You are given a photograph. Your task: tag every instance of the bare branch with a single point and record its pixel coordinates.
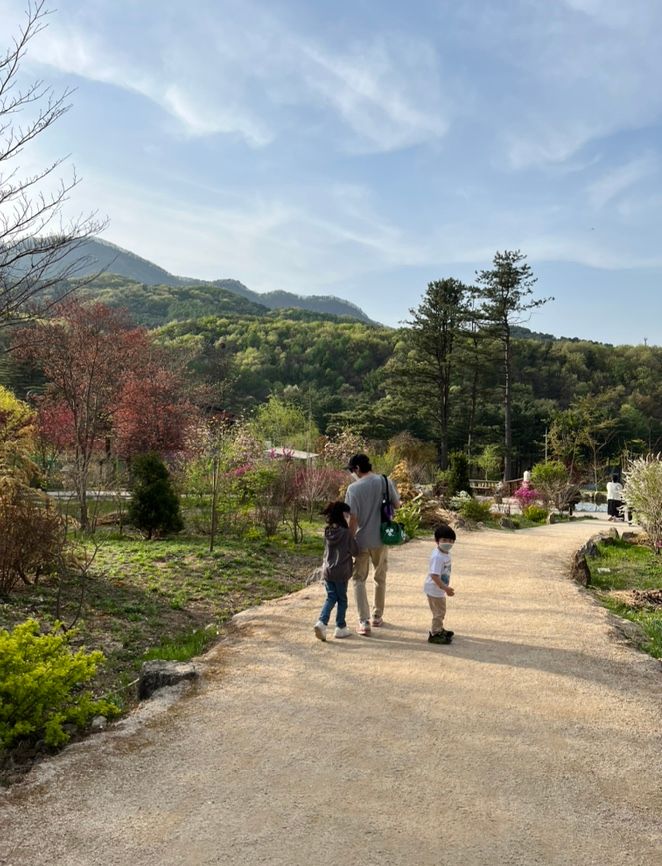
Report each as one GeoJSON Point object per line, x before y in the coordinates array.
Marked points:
{"type": "Point", "coordinates": [40, 251]}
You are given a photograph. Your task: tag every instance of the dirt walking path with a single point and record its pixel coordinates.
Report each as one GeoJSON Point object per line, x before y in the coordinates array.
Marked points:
{"type": "Point", "coordinates": [533, 739]}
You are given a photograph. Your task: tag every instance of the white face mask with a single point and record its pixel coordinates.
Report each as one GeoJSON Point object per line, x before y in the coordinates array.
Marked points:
{"type": "Point", "coordinates": [445, 546]}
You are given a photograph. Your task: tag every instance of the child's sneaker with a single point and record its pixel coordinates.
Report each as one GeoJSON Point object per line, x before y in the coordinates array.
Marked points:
{"type": "Point", "coordinates": [439, 638]}
{"type": "Point", "coordinates": [377, 621]}
{"type": "Point", "coordinates": [364, 627]}
{"type": "Point", "coordinates": [320, 630]}
{"type": "Point", "coordinates": [342, 632]}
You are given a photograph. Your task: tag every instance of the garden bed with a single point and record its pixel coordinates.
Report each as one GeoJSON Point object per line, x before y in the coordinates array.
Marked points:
{"type": "Point", "coordinates": [627, 579]}
{"type": "Point", "coordinates": [169, 598]}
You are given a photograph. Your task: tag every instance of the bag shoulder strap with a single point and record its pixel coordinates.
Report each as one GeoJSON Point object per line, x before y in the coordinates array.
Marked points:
{"type": "Point", "coordinates": [387, 495]}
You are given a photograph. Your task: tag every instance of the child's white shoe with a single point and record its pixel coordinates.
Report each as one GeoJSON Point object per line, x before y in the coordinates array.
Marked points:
{"type": "Point", "coordinates": [320, 630]}
{"type": "Point", "coordinates": [342, 632]}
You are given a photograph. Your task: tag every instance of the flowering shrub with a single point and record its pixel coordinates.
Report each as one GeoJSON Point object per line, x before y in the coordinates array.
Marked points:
{"type": "Point", "coordinates": [526, 496]}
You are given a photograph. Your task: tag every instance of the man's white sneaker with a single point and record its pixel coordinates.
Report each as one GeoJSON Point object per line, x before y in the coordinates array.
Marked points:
{"type": "Point", "coordinates": [342, 632]}
{"type": "Point", "coordinates": [320, 630]}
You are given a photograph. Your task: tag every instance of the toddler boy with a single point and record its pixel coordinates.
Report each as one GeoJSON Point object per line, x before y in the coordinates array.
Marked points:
{"type": "Point", "coordinates": [437, 583]}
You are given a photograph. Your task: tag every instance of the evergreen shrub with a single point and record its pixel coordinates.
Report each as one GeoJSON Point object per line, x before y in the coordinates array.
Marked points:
{"type": "Point", "coordinates": [457, 476]}
{"type": "Point", "coordinates": [40, 680]}
{"type": "Point", "coordinates": [472, 509]}
{"type": "Point", "coordinates": [154, 505]}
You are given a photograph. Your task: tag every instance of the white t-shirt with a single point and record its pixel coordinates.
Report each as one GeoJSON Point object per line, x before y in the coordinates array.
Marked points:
{"type": "Point", "coordinates": [614, 490]}
{"type": "Point", "coordinates": [440, 564]}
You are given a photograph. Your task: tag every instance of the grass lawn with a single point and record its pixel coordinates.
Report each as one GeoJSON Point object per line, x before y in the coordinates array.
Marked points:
{"type": "Point", "coordinates": [166, 598]}
{"type": "Point", "coordinates": [627, 578]}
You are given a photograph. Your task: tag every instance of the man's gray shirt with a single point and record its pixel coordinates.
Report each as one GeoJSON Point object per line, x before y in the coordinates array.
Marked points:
{"type": "Point", "coordinates": [364, 498]}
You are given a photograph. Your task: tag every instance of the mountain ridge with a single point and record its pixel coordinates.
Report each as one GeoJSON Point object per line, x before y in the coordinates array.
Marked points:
{"type": "Point", "coordinates": [98, 257]}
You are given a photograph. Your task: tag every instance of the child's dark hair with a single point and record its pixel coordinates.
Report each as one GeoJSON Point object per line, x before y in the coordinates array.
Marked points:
{"type": "Point", "coordinates": [336, 512]}
{"type": "Point", "coordinates": [444, 532]}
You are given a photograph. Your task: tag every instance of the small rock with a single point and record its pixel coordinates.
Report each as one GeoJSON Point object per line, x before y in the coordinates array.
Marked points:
{"type": "Point", "coordinates": [507, 523]}
{"type": "Point", "coordinates": [604, 570]}
{"type": "Point", "coordinates": [99, 723]}
{"type": "Point", "coordinates": [632, 537]}
{"type": "Point", "coordinates": [552, 518]}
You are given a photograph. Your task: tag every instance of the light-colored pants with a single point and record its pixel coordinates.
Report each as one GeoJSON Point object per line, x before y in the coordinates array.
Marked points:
{"type": "Point", "coordinates": [438, 608]}
{"type": "Point", "coordinates": [379, 558]}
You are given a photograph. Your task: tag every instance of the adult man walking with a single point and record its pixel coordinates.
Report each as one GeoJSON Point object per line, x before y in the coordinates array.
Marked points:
{"type": "Point", "coordinates": [364, 497]}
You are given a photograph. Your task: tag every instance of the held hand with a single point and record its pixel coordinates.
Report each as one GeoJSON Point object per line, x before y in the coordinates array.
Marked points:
{"type": "Point", "coordinates": [449, 590]}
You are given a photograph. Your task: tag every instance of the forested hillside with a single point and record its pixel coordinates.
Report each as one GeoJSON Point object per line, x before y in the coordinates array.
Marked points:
{"type": "Point", "coordinates": [102, 268]}
{"type": "Point", "coordinates": [351, 374]}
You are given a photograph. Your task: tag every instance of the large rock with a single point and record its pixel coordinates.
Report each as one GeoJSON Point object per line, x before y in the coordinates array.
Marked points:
{"type": "Point", "coordinates": [589, 549]}
{"type": "Point", "coordinates": [632, 537]}
{"type": "Point", "coordinates": [159, 674]}
{"type": "Point", "coordinates": [580, 570]}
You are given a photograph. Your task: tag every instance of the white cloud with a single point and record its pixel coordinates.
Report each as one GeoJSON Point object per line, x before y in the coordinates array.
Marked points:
{"type": "Point", "coordinates": [233, 67]}
{"type": "Point", "coordinates": [388, 100]}
{"type": "Point", "coordinates": [619, 180]}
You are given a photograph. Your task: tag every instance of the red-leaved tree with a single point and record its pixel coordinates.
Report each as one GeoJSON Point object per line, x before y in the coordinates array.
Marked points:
{"type": "Point", "coordinates": [154, 413]}
{"type": "Point", "coordinates": [85, 351]}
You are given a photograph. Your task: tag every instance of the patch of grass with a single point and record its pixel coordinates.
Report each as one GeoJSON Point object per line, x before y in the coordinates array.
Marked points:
{"type": "Point", "coordinates": [186, 647]}
{"type": "Point", "coordinates": [145, 598]}
{"type": "Point", "coordinates": [649, 620]}
{"type": "Point", "coordinates": [622, 567]}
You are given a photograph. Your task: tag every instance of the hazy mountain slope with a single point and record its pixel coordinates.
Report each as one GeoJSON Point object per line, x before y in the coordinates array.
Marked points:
{"type": "Point", "coordinates": [100, 255]}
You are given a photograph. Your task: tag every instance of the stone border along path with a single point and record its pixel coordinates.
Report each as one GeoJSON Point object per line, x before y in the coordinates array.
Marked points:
{"type": "Point", "coordinates": [533, 739]}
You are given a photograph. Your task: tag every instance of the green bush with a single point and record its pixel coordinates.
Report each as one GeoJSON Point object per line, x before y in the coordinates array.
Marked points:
{"type": "Point", "coordinates": [409, 515]}
{"type": "Point", "coordinates": [535, 513]}
{"type": "Point", "coordinates": [472, 509]}
{"type": "Point", "coordinates": [40, 680]}
{"type": "Point", "coordinates": [457, 475]}
{"type": "Point", "coordinates": [154, 505]}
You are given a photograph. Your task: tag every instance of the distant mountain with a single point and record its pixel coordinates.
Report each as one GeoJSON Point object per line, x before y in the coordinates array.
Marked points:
{"type": "Point", "coordinates": [97, 256]}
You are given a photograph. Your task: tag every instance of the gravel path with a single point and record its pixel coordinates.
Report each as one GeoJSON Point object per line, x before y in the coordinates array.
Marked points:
{"type": "Point", "coordinates": [533, 739]}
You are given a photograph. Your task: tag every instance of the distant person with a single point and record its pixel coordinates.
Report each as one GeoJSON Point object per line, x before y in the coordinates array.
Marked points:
{"type": "Point", "coordinates": [437, 583]}
{"type": "Point", "coordinates": [337, 565]}
{"type": "Point", "coordinates": [614, 499]}
{"type": "Point", "coordinates": [364, 497]}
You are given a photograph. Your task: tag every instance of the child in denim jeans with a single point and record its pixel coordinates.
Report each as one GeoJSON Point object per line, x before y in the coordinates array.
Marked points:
{"type": "Point", "coordinates": [339, 548]}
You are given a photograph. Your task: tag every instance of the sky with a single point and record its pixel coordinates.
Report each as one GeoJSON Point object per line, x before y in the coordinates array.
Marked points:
{"type": "Point", "coordinates": [363, 148]}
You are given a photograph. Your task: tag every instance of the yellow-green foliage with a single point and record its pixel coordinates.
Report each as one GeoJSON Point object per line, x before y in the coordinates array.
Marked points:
{"type": "Point", "coordinates": [40, 680]}
{"type": "Point", "coordinates": [16, 434]}
{"type": "Point", "coordinates": [472, 509]}
{"type": "Point", "coordinates": [535, 513]}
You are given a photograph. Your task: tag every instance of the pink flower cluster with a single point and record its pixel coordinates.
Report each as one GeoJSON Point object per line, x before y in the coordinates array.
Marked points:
{"type": "Point", "coordinates": [238, 471]}
{"type": "Point", "coordinates": [526, 495]}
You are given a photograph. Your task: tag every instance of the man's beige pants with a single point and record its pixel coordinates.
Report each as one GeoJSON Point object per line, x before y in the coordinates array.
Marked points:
{"type": "Point", "coordinates": [379, 558]}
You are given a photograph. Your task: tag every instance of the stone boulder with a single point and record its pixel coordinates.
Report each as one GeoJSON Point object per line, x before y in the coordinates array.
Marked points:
{"type": "Point", "coordinates": [159, 674]}
{"type": "Point", "coordinates": [589, 549]}
{"type": "Point", "coordinates": [632, 537]}
{"type": "Point", "coordinates": [580, 570]}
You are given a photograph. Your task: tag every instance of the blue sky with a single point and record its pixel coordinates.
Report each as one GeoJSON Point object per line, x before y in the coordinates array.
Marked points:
{"type": "Point", "coordinates": [365, 148]}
